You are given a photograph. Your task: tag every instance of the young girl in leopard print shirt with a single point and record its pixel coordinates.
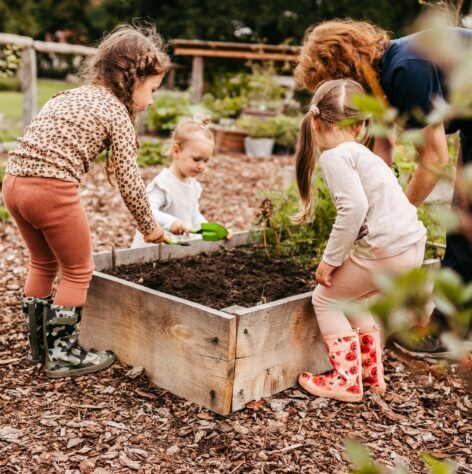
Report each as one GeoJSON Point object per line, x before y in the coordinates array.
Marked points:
{"type": "Point", "coordinates": [40, 188]}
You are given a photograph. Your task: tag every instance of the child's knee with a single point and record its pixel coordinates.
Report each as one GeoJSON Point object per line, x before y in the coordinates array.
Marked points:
{"type": "Point", "coordinates": [81, 275]}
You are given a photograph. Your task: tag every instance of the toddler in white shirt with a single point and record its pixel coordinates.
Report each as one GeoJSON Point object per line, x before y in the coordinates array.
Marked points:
{"type": "Point", "coordinates": [174, 194]}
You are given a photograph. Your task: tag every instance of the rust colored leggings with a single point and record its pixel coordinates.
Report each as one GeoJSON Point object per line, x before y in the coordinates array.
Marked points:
{"type": "Point", "coordinates": [52, 222]}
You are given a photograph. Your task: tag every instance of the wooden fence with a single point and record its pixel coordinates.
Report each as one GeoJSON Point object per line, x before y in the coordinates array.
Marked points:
{"type": "Point", "coordinates": [198, 50]}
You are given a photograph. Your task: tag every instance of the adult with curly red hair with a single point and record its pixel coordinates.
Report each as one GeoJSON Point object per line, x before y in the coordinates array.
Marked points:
{"type": "Point", "coordinates": [411, 82]}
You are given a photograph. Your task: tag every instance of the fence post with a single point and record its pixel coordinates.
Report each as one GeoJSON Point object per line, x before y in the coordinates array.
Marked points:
{"type": "Point", "coordinates": [28, 84]}
{"type": "Point", "coordinates": [196, 82]}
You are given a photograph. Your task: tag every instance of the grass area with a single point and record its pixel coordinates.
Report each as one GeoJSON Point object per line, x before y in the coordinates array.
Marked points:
{"type": "Point", "coordinates": [11, 103]}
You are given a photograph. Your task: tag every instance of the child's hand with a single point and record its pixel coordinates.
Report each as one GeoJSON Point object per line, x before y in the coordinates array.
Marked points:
{"type": "Point", "coordinates": [323, 273]}
{"type": "Point", "coordinates": [178, 228]}
{"type": "Point", "coordinates": [156, 236]}
{"type": "Point", "coordinates": [230, 235]}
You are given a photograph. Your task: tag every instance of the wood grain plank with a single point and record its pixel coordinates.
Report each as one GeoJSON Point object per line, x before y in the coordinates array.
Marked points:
{"type": "Point", "coordinates": [185, 347]}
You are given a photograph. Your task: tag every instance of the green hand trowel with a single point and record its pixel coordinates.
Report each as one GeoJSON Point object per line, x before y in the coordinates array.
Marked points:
{"type": "Point", "coordinates": [176, 242]}
{"type": "Point", "coordinates": [211, 231]}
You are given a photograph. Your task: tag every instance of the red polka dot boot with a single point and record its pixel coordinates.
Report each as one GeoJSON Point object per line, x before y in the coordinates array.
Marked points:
{"type": "Point", "coordinates": [344, 382]}
{"type": "Point", "coordinates": [372, 366]}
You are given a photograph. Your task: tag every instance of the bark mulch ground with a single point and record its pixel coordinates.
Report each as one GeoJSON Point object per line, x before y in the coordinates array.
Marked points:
{"type": "Point", "coordinates": [117, 422]}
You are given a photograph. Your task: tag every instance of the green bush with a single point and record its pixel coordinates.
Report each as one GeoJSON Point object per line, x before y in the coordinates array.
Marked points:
{"type": "Point", "coordinates": [167, 110]}
{"type": "Point", "coordinates": [152, 153]}
{"type": "Point", "coordinates": [9, 84]}
{"type": "Point", "coordinates": [227, 107]}
{"type": "Point", "coordinates": [287, 129]}
{"type": "Point", "coordinates": [257, 127]}
{"type": "Point", "coordinates": [229, 93]}
{"type": "Point", "coordinates": [10, 60]}
{"type": "Point", "coordinates": [305, 243]}
{"type": "Point", "coordinates": [4, 214]}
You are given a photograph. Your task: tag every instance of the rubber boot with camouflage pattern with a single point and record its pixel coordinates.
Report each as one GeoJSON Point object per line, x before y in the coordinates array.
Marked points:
{"type": "Point", "coordinates": [33, 311]}
{"type": "Point", "coordinates": [64, 356]}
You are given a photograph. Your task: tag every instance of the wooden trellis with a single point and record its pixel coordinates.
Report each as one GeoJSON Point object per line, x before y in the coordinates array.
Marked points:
{"type": "Point", "coordinates": [195, 48]}
{"type": "Point", "coordinates": [218, 49]}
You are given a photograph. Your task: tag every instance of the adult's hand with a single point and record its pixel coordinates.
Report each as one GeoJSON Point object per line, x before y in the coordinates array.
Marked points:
{"type": "Point", "coordinates": [155, 236]}
{"type": "Point", "coordinates": [434, 157]}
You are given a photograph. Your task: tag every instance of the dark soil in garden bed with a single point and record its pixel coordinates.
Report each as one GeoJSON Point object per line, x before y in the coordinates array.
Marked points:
{"type": "Point", "coordinates": [243, 276]}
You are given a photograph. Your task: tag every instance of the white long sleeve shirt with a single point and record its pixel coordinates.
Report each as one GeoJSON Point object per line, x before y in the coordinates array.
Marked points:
{"type": "Point", "coordinates": [172, 199]}
{"type": "Point", "coordinates": [374, 216]}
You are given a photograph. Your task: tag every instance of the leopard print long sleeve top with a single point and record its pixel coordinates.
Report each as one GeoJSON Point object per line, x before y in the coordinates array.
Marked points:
{"type": "Point", "coordinates": [70, 131]}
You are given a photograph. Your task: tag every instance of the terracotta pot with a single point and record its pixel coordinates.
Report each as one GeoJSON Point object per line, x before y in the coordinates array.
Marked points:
{"type": "Point", "coordinates": [228, 140]}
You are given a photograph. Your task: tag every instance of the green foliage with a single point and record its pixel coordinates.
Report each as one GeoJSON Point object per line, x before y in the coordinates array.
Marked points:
{"type": "Point", "coordinates": [286, 130]}
{"type": "Point", "coordinates": [257, 127]}
{"type": "Point", "coordinates": [281, 127]}
{"type": "Point", "coordinates": [4, 214]}
{"type": "Point", "coordinates": [360, 459]}
{"type": "Point", "coordinates": [9, 84]}
{"type": "Point", "coordinates": [151, 153]}
{"type": "Point", "coordinates": [230, 92]}
{"type": "Point", "coordinates": [305, 243]}
{"type": "Point", "coordinates": [167, 110]}
{"type": "Point", "coordinates": [10, 60]}
{"type": "Point", "coordinates": [224, 108]}
{"type": "Point", "coordinates": [362, 462]}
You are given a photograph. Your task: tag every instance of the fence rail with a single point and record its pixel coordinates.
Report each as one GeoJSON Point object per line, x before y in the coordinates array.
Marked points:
{"type": "Point", "coordinates": [196, 49]}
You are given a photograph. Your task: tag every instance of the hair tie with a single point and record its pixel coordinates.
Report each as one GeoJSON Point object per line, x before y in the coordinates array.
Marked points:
{"type": "Point", "coordinates": [314, 110]}
{"type": "Point", "coordinates": [203, 120]}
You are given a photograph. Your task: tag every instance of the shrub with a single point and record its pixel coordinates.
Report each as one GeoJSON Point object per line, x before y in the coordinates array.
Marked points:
{"type": "Point", "coordinates": [287, 129]}
{"type": "Point", "coordinates": [167, 110]}
{"type": "Point", "coordinates": [9, 84]}
{"type": "Point", "coordinates": [257, 127]}
{"type": "Point", "coordinates": [152, 153]}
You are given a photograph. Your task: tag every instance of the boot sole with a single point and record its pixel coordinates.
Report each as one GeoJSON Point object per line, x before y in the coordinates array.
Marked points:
{"type": "Point", "coordinates": [324, 394]}
{"type": "Point", "coordinates": [61, 373]}
{"type": "Point", "coordinates": [431, 355]}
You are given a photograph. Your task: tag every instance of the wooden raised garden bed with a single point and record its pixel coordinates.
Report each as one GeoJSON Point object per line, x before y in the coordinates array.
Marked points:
{"type": "Point", "coordinates": [219, 358]}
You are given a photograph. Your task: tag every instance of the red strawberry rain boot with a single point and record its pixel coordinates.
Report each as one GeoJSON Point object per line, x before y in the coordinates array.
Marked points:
{"type": "Point", "coordinates": [372, 367]}
{"type": "Point", "coordinates": [344, 382]}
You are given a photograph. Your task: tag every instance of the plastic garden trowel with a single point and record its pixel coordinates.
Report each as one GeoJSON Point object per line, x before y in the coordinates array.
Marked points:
{"type": "Point", "coordinates": [176, 242]}
{"type": "Point", "coordinates": [211, 231]}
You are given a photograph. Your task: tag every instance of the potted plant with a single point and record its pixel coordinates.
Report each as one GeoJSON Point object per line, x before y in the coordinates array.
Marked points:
{"type": "Point", "coordinates": [261, 132]}
{"type": "Point", "coordinates": [287, 129]}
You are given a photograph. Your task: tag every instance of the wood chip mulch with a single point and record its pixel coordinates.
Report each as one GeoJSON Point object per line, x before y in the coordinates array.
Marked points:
{"type": "Point", "coordinates": [116, 421]}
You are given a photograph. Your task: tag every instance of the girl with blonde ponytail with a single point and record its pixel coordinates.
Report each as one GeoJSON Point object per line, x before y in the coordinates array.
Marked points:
{"type": "Point", "coordinates": [376, 230]}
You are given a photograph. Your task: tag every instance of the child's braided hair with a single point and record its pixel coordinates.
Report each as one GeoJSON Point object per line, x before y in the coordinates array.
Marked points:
{"type": "Point", "coordinates": [126, 55]}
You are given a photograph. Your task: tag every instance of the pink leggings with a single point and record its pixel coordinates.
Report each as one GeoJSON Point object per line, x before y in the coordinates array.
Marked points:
{"type": "Point", "coordinates": [353, 281]}
{"type": "Point", "coordinates": [52, 222]}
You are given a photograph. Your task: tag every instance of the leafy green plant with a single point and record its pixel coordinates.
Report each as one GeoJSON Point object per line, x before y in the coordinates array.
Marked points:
{"type": "Point", "coordinates": [9, 84]}
{"type": "Point", "coordinates": [303, 243]}
{"type": "Point", "coordinates": [226, 107]}
{"type": "Point", "coordinates": [362, 462]}
{"type": "Point", "coordinates": [10, 60]}
{"type": "Point", "coordinates": [4, 214]}
{"type": "Point", "coordinates": [167, 110]}
{"type": "Point", "coordinates": [286, 130]}
{"type": "Point", "coordinates": [257, 127]}
{"type": "Point", "coordinates": [151, 153]}
{"type": "Point", "coordinates": [230, 93]}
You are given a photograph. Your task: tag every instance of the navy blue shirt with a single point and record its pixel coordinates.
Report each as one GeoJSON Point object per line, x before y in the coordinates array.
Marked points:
{"type": "Point", "coordinates": [411, 82]}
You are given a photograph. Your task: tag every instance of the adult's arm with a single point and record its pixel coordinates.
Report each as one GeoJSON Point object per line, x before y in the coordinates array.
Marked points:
{"type": "Point", "coordinates": [433, 158]}
{"type": "Point", "coordinates": [383, 147]}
